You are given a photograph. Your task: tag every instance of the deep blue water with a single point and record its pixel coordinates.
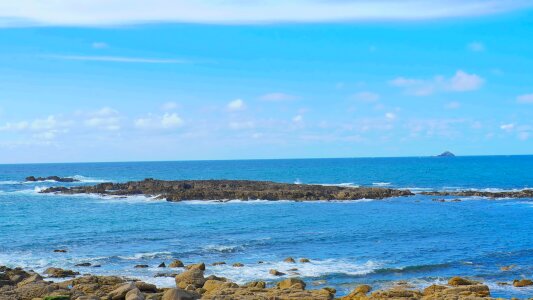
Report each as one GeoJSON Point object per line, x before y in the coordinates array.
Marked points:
{"type": "Point", "coordinates": [372, 242]}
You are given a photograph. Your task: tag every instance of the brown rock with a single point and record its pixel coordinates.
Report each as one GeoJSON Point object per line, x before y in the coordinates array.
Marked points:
{"type": "Point", "coordinates": [238, 265]}
{"type": "Point", "coordinates": [304, 260]}
{"type": "Point", "coordinates": [176, 264]}
{"type": "Point", "coordinates": [276, 272]}
{"type": "Point", "coordinates": [218, 263]}
{"type": "Point", "coordinates": [120, 292]}
{"type": "Point", "coordinates": [291, 283]}
{"type": "Point", "coordinates": [141, 266]}
{"type": "Point", "coordinates": [522, 283]}
{"type": "Point", "coordinates": [289, 260]}
{"type": "Point", "coordinates": [256, 284]}
{"type": "Point", "coordinates": [457, 281]}
{"type": "Point", "coordinates": [146, 287]}
{"type": "Point", "coordinates": [200, 266]}
{"type": "Point", "coordinates": [60, 273]}
{"type": "Point", "coordinates": [178, 294]}
{"type": "Point", "coordinates": [134, 294]}
{"type": "Point", "coordinates": [193, 276]}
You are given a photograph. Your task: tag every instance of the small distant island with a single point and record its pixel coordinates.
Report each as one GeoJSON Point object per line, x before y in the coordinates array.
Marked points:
{"type": "Point", "coordinates": [446, 154]}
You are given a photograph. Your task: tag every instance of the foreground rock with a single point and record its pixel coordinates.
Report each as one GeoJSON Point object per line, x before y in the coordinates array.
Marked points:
{"type": "Point", "coordinates": [505, 194]}
{"type": "Point", "coordinates": [51, 178]}
{"type": "Point", "coordinates": [230, 189]}
{"type": "Point", "coordinates": [17, 284]}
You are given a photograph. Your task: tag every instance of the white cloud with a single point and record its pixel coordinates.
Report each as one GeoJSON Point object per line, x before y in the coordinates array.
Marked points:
{"type": "Point", "coordinates": [166, 121]}
{"type": "Point", "coordinates": [507, 127]}
{"type": "Point", "coordinates": [367, 96]}
{"type": "Point", "coordinates": [118, 59]}
{"type": "Point", "coordinates": [476, 47]}
{"type": "Point", "coordinates": [112, 12]}
{"type": "Point", "coordinates": [236, 105]}
{"type": "Point", "coordinates": [105, 119]}
{"type": "Point", "coordinates": [390, 116]}
{"type": "Point", "coordinates": [526, 98]}
{"type": "Point", "coordinates": [462, 82]}
{"type": "Point", "coordinates": [298, 119]}
{"type": "Point", "coordinates": [524, 136]}
{"type": "Point", "coordinates": [278, 97]}
{"type": "Point", "coordinates": [459, 82]}
{"type": "Point", "coordinates": [99, 45]}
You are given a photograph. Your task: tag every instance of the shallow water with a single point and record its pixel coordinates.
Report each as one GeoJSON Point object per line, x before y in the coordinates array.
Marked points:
{"type": "Point", "coordinates": [373, 242]}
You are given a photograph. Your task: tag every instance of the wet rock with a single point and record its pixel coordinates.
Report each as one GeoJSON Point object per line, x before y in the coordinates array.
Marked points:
{"type": "Point", "coordinates": [507, 268]}
{"type": "Point", "coordinates": [51, 178]}
{"type": "Point", "coordinates": [162, 265]}
{"type": "Point", "coordinates": [60, 273]}
{"type": "Point", "coordinates": [60, 251]}
{"type": "Point", "coordinates": [522, 283]}
{"type": "Point", "coordinates": [470, 193]}
{"type": "Point", "coordinates": [181, 190]}
{"type": "Point", "coordinates": [218, 263]}
{"type": "Point", "coordinates": [238, 265]}
{"type": "Point", "coordinates": [83, 265]}
{"type": "Point", "coordinates": [457, 281]}
{"type": "Point", "coordinates": [200, 266]}
{"type": "Point", "coordinates": [276, 272]}
{"type": "Point", "coordinates": [141, 266]}
{"type": "Point", "coordinates": [31, 279]}
{"type": "Point", "coordinates": [304, 260]}
{"type": "Point", "coordinates": [289, 260]}
{"type": "Point", "coordinates": [291, 283]}
{"type": "Point", "coordinates": [176, 264]}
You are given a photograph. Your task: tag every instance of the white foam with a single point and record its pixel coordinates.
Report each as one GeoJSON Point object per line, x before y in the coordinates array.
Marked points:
{"type": "Point", "coordinates": [5, 182]}
{"type": "Point", "coordinates": [147, 255]}
{"type": "Point", "coordinates": [315, 268]}
{"type": "Point", "coordinates": [343, 184]}
{"type": "Point", "coordinates": [381, 183]}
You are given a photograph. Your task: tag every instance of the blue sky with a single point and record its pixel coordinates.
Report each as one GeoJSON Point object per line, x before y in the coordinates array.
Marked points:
{"type": "Point", "coordinates": [347, 82]}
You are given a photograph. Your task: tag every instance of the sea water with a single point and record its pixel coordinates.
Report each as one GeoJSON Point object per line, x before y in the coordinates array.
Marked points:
{"type": "Point", "coordinates": [376, 242]}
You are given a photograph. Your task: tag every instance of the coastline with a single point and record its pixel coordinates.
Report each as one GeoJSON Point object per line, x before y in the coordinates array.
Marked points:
{"type": "Point", "coordinates": [191, 283]}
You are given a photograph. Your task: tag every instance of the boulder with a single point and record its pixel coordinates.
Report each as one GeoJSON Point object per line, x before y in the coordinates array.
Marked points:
{"type": "Point", "coordinates": [256, 284]}
{"type": "Point", "coordinates": [141, 266]}
{"type": "Point", "coordinates": [457, 281]}
{"type": "Point", "coordinates": [522, 283]}
{"type": "Point", "coordinates": [238, 265]}
{"type": "Point", "coordinates": [31, 279]}
{"type": "Point", "coordinates": [146, 287]}
{"type": "Point", "coordinates": [120, 292]}
{"type": "Point", "coordinates": [162, 265]}
{"type": "Point", "coordinates": [134, 294]}
{"type": "Point", "coordinates": [304, 260]}
{"type": "Point", "coordinates": [291, 283]}
{"type": "Point", "coordinates": [289, 260]}
{"type": "Point", "coordinates": [193, 276]}
{"type": "Point", "coordinates": [276, 272]}
{"type": "Point", "coordinates": [200, 266]}
{"type": "Point", "coordinates": [84, 265]}
{"type": "Point", "coordinates": [178, 294]}
{"type": "Point", "coordinates": [60, 273]}
{"type": "Point", "coordinates": [176, 264]}
{"type": "Point", "coordinates": [218, 263]}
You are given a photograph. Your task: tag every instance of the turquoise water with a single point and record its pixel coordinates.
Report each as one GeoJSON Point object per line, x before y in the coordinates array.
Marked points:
{"type": "Point", "coordinates": [373, 242]}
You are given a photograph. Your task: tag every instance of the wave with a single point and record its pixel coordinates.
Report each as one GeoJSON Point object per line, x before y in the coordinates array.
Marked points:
{"type": "Point", "coordinates": [316, 268]}
{"type": "Point", "coordinates": [344, 184]}
{"type": "Point", "coordinates": [147, 255]}
{"type": "Point", "coordinates": [381, 183]}
{"type": "Point", "coordinates": [222, 248]}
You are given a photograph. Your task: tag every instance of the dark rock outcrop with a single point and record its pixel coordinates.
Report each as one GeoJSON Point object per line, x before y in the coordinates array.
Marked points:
{"type": "Point", "coordinates": [51, 178]}
{"type": "Point", "coordinates": [231, 189]}
{"type": "Point", "coordinates": [446, 154]}
{"type": "Point", "coordinates": [503, 194]}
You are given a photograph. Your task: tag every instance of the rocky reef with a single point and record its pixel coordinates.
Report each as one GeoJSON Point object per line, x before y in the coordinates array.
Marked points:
{"type": "Point", "coordinates": [51, 178]}
{"type": "Point", "coordinates": [181, 190]}
{"type": "Point", "coordinates": [191, 284]}
{"type": "Point", "coordinates": [503, 194]}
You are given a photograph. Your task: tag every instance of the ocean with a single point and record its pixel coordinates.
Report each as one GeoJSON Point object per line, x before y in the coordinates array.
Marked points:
{"type": "Point", "coordinates": [376, 242]}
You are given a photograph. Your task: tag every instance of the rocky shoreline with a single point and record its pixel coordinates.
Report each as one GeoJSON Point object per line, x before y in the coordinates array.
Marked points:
{"type": "Point", "coordinates": [181, 190]}
{"type": "Point", "coordinates": [191, 284]}
{"type": "Point", "coordinates": [51, 178]}
{"type": "Point", "coordinates": [492, 195]}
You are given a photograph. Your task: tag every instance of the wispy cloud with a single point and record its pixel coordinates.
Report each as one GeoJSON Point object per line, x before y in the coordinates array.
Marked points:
{"type": "Point", "coordinates": [476, 47]}
{"type": "Point", "coordinates": [116, 12]}
{"type": "Point", "coordinates": [526, 98]}
{"type": "Point", "coordinates": [461, 81]}
{"type": "Point", "coordinates": [118, 59]}
{"type": "Point", "coordinates": [278, 97]}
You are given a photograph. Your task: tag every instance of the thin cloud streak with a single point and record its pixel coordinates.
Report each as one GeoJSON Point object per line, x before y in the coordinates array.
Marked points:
{"type": "Point", "coordinates": [119, 59]}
